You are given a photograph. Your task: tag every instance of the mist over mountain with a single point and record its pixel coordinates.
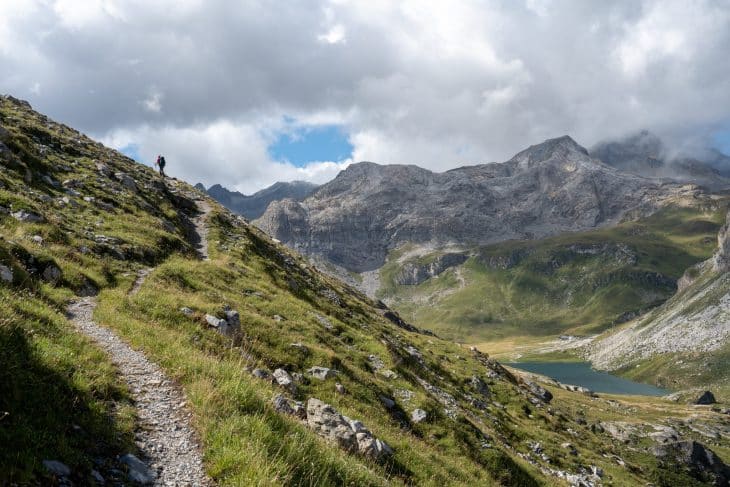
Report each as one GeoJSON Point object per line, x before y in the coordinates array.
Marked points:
{"type": "Point", "coordinates": [253, 206]}
{"type": "Point", "coordinates": [645, 154]}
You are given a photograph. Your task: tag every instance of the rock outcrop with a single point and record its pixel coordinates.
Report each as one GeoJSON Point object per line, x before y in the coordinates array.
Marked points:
{"type": "Point", "coordinates": [351, 435]}
{"type": "Point", "coordinates": [413, 273]}
{"type": "Point", "coordinates": [368, 209]}
{"type": "Point", "coordinates": [701, 462]}
{"type": "Point", "coordinates": [695, 321]}
{"type": "Point", "coordinates": [721, 259]}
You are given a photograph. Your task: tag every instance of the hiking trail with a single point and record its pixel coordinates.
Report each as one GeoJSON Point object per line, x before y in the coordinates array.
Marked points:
{"type": "Point", "coordinates": [169, 451]}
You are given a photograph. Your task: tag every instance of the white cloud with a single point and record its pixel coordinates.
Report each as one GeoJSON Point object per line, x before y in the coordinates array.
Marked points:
{"type": "Point", "coordinates": [424, 82]}
{"type": "Point", "coordinates": [227, 152]}
{"type": "Point", "coordinates": [153, 103]}
{"type": "Point", "coordinates": [335, 35]}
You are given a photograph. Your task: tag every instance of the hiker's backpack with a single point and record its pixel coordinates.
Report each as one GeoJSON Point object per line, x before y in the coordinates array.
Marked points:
{"type": "Point", "coordinates": [162, 162]}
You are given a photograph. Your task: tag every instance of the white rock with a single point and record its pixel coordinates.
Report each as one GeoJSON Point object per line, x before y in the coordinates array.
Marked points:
{"type": "Point", "coordinates": [418, 415]}
{"type": "Point", "coordinates": [321, 373]}
{"type": "Point", "coordinates": [285, 380]}
{"type": "Point", "coordinates": [27, 216]}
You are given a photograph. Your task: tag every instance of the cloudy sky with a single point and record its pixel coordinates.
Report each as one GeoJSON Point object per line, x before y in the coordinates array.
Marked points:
{"type": "Point", "coordinates": [246, 93]}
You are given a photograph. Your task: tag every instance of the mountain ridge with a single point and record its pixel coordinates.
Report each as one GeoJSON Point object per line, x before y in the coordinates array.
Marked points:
{"type": "Point", "coordinates": [253, 206]}
{"type": "Point", "coordinates": [369, 209]}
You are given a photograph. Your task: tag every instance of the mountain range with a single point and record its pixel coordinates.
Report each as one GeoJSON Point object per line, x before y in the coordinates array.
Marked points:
{"type": "Point", "coordinates": [134, 304]}
{"type": "Point", "coordinates": [253, 206]}
{"type": "Point", "coordinates": [369, 210]}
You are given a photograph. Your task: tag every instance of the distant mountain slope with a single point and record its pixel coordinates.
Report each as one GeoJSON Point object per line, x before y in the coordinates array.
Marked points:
{"type": "Point", "coordinates": [253, 206]}
{"type": "Point", "coordinates": [290, 377]}
{"type": "Point", "coordinates": [575, 283]}
{"type": "Point", "coordinates": [687, 340]}
{"type": "Point", "coordinates": [369, 210]}
{"type": "Point", "coordinates": [646, 155]}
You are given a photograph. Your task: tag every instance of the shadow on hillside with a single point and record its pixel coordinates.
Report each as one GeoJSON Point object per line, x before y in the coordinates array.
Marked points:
{"type": "Point", "coordinates": [44, 415]}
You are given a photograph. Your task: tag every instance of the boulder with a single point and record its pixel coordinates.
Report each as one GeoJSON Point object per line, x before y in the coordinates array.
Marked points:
{"type": "Point", "coordinates": [52, 274]}
{"type": "Point", "coordinates": [419, 415]}
{"type": "Point", "coordinates": [288, 406]}
{"type": "Point", "coordinates": [539, 392]}
{"type": "Point", "coordinates": [285, 380]}
{"type": "Point", "coordinates": [187, 311]}
{"type": "Point", "coordinates": [233, 318]}
{"type": "Point", "coordinates": [322, 373]}
{"type": "Point", "coordinates": [327, 422]}
{"type": "Point", "coordinates": [104, 170]}
{"type": "Point", "coordinates": [702, 462]}
{"type": "Point", "coordinates": [387, 402]}
{"type": "Point", "coordinates": [137, 471]}
{"type": "Point", "coordinates": [261, 374]}
{"type": "Point", "coordinates": [57, 468]}
{"type": "Point", "coordinates": [6, 274]}
{"type": "Point", "coordinates": [340, 389]}
{"type": "Point", "coordinates": [216, 322]}
{"type": "Point", "coordinates": [27, 216]}
{"type": "Point", "coordinates": [372, 447]}
{"type": "Point", "coordinates": [707, 397]}
{"type": "Point", "coordinates": [350, 434]}
{"type": "Point", "coordinates": [127, 181]}
{"type": "Point", "coordinates": [619, 430]}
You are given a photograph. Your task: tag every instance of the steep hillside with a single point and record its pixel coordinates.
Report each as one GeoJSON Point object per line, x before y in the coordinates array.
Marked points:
{"type": "Point", "coordinates": [272, 358]}
{"type": "Point", "coordinates": [575, 283]}
{"type": "Point", "coordinates": [253, 206]}
{"type": "Point", "coordinates": [369, 210]}
{"type": "Point", "coordinates": [683, 343]}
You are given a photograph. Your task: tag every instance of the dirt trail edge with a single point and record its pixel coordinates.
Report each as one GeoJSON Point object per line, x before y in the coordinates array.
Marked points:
{"type": "Point", "coordinates": [166, 440]}
{"type": "Point", "coordinates": [200, 237]}
{"type": "Point", "coordinates": [165, 437]}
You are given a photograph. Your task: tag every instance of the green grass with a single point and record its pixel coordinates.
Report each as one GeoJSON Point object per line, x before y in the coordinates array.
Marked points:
{"type": "Point", "coordinates": [59, 395]}
{"type": "Point", "coordinates": [53, 379]}
{"type": "Point", "coordinates": [554, 286]}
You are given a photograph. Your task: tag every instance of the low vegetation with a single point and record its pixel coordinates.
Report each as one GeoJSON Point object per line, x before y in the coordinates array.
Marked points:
{"type": "Point", "coordinates": [95, 231]}
{"type": "Point", "coordinates": [579, 283]}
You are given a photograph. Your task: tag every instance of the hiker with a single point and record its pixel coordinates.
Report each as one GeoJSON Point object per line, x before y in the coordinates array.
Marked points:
{"type": "Point", "coordinates": [161, 164]}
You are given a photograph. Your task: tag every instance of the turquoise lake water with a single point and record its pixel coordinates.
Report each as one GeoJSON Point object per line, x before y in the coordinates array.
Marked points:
{"type": "Point", "coordinates": [581, 374]}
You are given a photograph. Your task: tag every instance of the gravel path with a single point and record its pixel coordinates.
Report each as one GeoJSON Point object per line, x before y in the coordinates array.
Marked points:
{"type": "Point", "coordinates": [166, 440]}
{"type": "Point", "coordinates": [165, 437]}
{"type": "Point", "coordinates": [201, 230]}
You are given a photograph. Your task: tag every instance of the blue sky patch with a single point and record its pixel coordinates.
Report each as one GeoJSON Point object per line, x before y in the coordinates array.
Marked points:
{"type": "Point", "coordinates": [303, 145]}
{"type": "Point", "coordinates": [722, 141]}
{"type": "Point", "coordinates": [131, 150]}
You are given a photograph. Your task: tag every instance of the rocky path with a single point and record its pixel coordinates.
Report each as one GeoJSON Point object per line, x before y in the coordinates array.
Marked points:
{"type": "Point", "coordinates": [170, 453]}
{"type": "Point", "coordinates": [200, 237]}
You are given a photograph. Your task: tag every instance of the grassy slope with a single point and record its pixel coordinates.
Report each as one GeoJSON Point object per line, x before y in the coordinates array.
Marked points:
{"type": "Point", "coordinates": [54, 379]}
{"type": "Point", "coordinates": [687, 370]}
{"type": "Point", "coordinates": [552, 289]}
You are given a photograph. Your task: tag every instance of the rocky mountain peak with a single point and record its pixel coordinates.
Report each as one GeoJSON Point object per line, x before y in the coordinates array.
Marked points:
{"type": "Point", "coordinates": [564, 148]}
{"type": "Point", "coordinates": [355, 220]}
